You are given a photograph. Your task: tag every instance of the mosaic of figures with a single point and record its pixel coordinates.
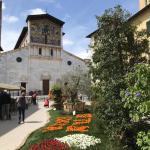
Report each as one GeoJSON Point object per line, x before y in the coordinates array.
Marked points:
{"type": "Point", "coordinates": [45, 32]}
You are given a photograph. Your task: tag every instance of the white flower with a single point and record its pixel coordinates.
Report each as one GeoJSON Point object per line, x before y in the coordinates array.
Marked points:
{"type": "Point", "coordinates": [81, 141]}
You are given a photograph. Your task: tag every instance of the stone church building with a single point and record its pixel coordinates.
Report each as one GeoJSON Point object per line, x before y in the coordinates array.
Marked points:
{"type": "Point", "coordinates": [38, 60]}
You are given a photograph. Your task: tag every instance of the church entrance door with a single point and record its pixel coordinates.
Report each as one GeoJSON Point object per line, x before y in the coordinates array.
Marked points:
{"type": "Point", "coordinates": [45, 87]}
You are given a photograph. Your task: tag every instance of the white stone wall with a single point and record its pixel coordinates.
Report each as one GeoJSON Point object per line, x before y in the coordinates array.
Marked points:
{"type": "Point", "coordinates": [34, 68]}
{"type": "Point", "coordinates": [3, 59]}
{"type": "Point", "coordinates": [11, 71]}
{"type": "Point", "coordinates": [77, 63]}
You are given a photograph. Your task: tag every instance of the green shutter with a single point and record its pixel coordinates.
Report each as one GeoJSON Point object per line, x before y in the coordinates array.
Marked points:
{"type": "Point", "coordinates": [148, 28]}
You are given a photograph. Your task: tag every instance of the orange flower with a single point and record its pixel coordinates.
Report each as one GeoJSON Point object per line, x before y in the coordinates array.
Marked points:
{"type": "Point", "coordinates": [84, 116]}
{"type": "Point", "coordinates": [63, 120]}
{"type": "Point", "coordinates": [60, 123]}
{"type": "Point", "coordinates": [77, 128]}
{"type": "Point", "coordinates": [53, 128]}
{"type": "Point", "coordinates": [83, 121]}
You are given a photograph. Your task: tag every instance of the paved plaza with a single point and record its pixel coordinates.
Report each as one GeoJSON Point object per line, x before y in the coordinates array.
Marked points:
{"type": "Point", "coordinates": [13, 135]}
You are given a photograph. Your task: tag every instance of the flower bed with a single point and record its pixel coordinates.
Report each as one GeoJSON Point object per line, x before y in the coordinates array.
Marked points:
{"type": "Point", "coordinates": [79, 124]}
{"type": "Point", "coordinates": [81, 141]}
{"type": "Point", "coordinates": [59, 134]}
{"type": "Point", "coordinates": [50, 145]}
{"type": "Point", "coordinates": [59, 124]}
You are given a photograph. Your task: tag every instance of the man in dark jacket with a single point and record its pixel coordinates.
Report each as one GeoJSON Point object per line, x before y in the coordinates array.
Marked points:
{"type": "Point", "coordinates": [1, 105]}
{"type": "Point", "coordinates": [21, 104]}
{"type": "Point", "coordinates": [5, 101]}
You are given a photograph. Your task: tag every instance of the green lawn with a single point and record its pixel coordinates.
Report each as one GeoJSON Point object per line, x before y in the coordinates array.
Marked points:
{"type": "Point", "coordinates": [38, 136]}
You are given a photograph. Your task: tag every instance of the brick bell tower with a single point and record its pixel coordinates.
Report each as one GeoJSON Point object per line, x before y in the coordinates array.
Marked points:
{"type": "Point", "coordinates": [0, 24]}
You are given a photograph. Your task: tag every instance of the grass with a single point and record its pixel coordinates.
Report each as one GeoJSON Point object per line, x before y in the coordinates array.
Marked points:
{"type": "Point", "coordinates": [97, 131]}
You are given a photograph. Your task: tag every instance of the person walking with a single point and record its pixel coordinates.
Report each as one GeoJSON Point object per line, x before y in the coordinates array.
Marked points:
{"type": "Point", "coordinates": [6, 101]}
{"type": "Point", "coordinates": [1, 117]}
{"type": "Point", "coordinates": [34, 98]}
{"type": "Point", "coordinates": [21, 104]}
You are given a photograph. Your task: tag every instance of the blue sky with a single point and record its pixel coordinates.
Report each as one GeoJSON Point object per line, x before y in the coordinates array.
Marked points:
{"type": "Point", "coordinates": [79, 17]}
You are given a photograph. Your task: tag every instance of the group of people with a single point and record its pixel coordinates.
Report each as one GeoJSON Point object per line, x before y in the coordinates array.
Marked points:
{"type": "Point", "coordinates": [5, 103]}
{"type": "Point", "coordinates": [21, 105]}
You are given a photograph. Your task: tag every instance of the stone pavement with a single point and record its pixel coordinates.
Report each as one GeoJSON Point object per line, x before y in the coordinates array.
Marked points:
{"type": "Point", "coordinates": [13, 135]}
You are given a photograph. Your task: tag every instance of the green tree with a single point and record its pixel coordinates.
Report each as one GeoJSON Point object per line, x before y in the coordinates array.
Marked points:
{"type": "Point", "coordinates": [136, 99]}
{"type": "Point", "coordinates": [57, 96]}
{"type": "Point", "coordinates": [76, 83]}
{"type": "Point", "coordinates": [117, 47]}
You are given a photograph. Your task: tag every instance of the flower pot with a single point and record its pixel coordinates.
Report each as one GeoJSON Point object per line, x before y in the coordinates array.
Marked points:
{"type": "Point", "coordinates": [77, 106]}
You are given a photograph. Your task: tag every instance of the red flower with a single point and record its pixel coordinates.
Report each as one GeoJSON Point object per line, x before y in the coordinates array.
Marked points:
{"type": "Point", "coordinates": [50, 145]}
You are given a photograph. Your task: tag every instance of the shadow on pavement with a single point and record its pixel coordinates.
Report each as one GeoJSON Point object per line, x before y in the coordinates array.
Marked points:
{"type": "Point", "coordinates": [8, 125]}
{"type": "Point", "coordinates": [33, 121]}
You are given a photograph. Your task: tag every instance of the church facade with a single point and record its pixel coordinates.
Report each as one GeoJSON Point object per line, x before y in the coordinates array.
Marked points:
{"type": "Point", "coordinates": [38, 60]}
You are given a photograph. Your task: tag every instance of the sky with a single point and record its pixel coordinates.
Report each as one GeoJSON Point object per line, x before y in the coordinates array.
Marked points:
{"type": "Point", "coordinates": [78, 15]}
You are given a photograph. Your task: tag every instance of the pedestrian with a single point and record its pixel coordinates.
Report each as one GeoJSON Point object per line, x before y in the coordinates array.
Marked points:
{"type": "Point", "coordinates": [1, 106]}
{"type": "Point", "coordinates": [6, 101]}
{"type": "Point", "coordinates": [34, 98]}
{"type": "Point", "coordinates": [21, 104]}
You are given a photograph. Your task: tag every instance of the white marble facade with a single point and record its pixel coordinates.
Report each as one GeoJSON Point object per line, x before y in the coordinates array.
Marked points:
{"type": "Point", "coordinates": [31, 63]}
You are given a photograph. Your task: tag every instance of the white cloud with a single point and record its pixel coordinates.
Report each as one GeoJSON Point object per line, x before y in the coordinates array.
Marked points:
{"type": "Point", "coordinates": [77, 34]}
{"type": "Point", "coordinates": [83, 54]}
{"type": "Point", "coordinates": [36, 11]}
{"type": "Point", "coordinates": [67, 17]}
{"type": "Point", "coordinates": [10, 19]}
{"type": "Point", "coordinates": [67, 42]}
{"type": "Point", "coordinates": [9, 39]}
{"type": "Point", "coordinates": [3, 6]}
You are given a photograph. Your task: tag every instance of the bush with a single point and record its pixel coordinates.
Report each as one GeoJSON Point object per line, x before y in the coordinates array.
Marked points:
{"type": "Point", "coordinates": [57, 94]}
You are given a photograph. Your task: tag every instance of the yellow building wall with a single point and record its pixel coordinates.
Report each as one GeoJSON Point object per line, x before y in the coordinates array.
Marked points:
{"type": "Point", "coordinates": [143, 3]}
{"type": "Point", "coordinates": [140, 22]}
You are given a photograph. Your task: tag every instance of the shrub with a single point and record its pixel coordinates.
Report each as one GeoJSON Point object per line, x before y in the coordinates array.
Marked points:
{"type": "Point", "coordinates": [57, 96]}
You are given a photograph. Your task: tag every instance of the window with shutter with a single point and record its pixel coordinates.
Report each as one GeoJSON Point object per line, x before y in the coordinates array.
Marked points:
{"type": "Point", "coordinates": [148, 28]}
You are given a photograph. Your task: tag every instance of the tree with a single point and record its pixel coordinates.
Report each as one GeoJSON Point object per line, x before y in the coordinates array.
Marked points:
{"type": "Point", "coordinates": [136, 99]}
{"type": "Point", "coordinates": [56, 92]}
{"type": "Point", "coordinates": [76, 83]}
{"type": "Point", "coordinates": [118, 46]}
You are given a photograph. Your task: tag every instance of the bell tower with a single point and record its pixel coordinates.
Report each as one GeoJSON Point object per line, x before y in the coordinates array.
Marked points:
{"type": "Point", "coordinates": [143, 3]}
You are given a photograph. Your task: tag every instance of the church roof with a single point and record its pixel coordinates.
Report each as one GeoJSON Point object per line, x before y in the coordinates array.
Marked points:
{"type": "Point", "coordinates": [131, 18]}
{"type": "Point", "coordinates": [21, 37]}
{"type": "Point", "coordinates": [45, 16]}
{"type": "Point", "coordinates": [90, 35]}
